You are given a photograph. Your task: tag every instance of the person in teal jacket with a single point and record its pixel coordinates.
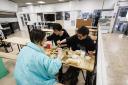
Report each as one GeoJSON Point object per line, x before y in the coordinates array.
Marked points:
{"type": "Point", "coordinates": [33, 66]}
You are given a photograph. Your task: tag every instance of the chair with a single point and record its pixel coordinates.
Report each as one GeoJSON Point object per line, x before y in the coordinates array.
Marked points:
{"type": "Point", "coordinates": [3, 44]}
{"type": "Point", "coordinates": [3, 70]}
{"type": "Point", "coordinates": [82, 22]}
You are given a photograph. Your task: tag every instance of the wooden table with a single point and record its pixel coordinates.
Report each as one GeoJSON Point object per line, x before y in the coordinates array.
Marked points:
{"type": "Point", "coordinates": [84, 64]}
{"type": "Point", "coordinates": [48, 31]}
{"type": "Point", "coordinates": [91, 27]}
{"type": "Point", "coordinates": [8, 55]}
{"type": "Point", "coordinates": [17, 40]}
{"type": "Point", "coordinates": [79, 61]}
{"type": "Point", "coordinates": [93, 30]}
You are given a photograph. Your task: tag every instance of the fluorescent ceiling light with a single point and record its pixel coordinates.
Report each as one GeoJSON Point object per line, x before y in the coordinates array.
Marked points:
{"type": "Point", "coordinates": [28, 3]}
{"type": "Point", "coordinates": [60, 0]}
{"type": "Point", "coordinates": [41, 2]}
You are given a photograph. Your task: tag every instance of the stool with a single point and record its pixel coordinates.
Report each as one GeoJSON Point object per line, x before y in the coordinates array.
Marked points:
{"type": "Point", "coordinates": [3, 70]}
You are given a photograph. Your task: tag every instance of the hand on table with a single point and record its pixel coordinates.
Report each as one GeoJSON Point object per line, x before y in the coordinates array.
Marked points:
{"type": "Point", "coordinates": [59, 43]}
{"type": "Point", "coordinates": [91, 53]}
{"type": "Point", "coordinates": [59, 54]}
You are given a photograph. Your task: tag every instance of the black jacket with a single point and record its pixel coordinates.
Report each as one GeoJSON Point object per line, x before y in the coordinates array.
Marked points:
{"type": "Point", "coordinates": [76, 44]}
{"type": "Point", "coordinates": [55, 37]}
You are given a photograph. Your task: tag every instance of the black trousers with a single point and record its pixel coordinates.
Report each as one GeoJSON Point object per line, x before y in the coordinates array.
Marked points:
{"type": "Point", "coordinates": [60, 75]}
{"type": "Point", "coordinates": [126, 32]}
{"type": "Point", "coordinates": [71, 75]}
{"type": "Point", "coordinates": [89, 78]}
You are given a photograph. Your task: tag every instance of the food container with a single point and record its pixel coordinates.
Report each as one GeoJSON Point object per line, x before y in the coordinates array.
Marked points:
{"type": "Point", "coordinates": [49, 44]}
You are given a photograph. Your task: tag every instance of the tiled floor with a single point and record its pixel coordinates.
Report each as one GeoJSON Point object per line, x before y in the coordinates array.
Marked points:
{"type": "Point", "coordinates": [9, 80]}
{"type": "Point", "coordinates": [116, 55]}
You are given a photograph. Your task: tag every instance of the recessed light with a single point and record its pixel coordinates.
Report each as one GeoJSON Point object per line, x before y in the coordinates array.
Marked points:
{"type": "Point", "coordinates": [41, 2]}
{"type": "Point", "coordinates": [60, 0]}
{"type": "Point", "coordinates": [28, 3]}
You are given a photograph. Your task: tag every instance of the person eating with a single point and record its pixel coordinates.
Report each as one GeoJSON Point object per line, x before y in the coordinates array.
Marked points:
{"type": "Point", "coordinates": [33, 66]}
{"type": "Point", "coordinates": [58, 34]}
{"type": "Point", "coordinates": [80, 41]}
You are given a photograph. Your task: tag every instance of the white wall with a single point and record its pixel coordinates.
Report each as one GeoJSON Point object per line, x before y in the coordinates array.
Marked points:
{"type": "Point", "coordinates": [109, 4]}
{"type": "Point", "coordinates": [45, 8]}
{"type": "Point", "coordinates": [2, 20]}
{"type": "Point", "coordinates": [84, 5]}
{"type": "Point", "coordinates": [123, 3]}
{"type": "Point", "coordinates": [9, 6]}
{"type": "Point", "coordinates": [87, 5]}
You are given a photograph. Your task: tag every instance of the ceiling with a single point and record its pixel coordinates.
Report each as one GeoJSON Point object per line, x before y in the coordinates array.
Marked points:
{"type": "Point", "coordinates": [34, 2]}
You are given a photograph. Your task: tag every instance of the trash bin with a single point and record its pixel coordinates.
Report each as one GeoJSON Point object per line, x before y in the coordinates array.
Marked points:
{"type": "Point", "coordinates": [3, 70]}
